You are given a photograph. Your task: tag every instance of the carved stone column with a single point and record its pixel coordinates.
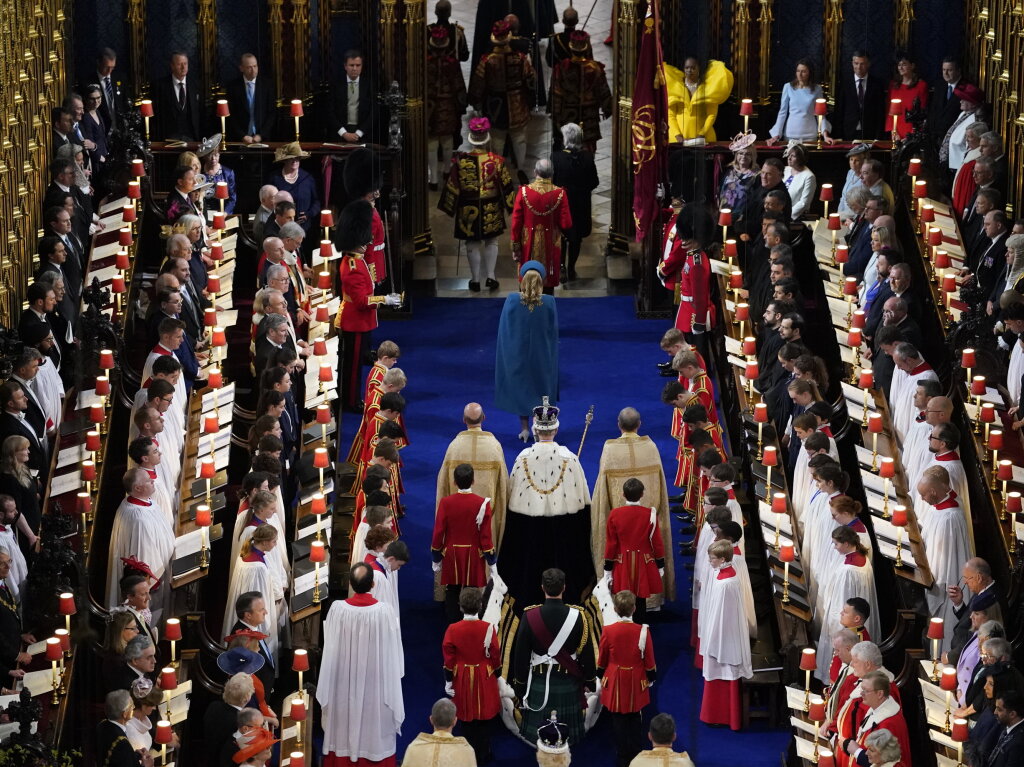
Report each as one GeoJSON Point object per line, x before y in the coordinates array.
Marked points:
{"type": "Point", "coordinates": [741, 47]}
{"type": "Point", "coordinates": [275, 20]}
{"type": "Point", "coordinates": [206, 31]}
{"type": "Point", "coordinates": [300, 39]}
{"type": "Point", "coordinates": [765, 47]}
{"type": "Point", "coordinates": [136, 18]}
{"type": "Point", "coordinates": [415, 219]}
{"type": "Point", "coordinates": [832, 40]}
{"type": "Point", "coordinates": [626, 37]}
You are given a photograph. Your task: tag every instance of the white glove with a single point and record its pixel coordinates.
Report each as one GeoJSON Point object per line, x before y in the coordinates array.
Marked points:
{"type": "Point", "coordinates": [392, 299]}
{"type": "Point", "coordinates": [661, 571]}
{"type": "Point", "coordinates": [608, 577]}
{"type": "Point", "coordinates": [435, 566]}
{"type": "Point", "coordinates": [449, 689]}
{"type": "Point", "coordinates": [1002, 344]}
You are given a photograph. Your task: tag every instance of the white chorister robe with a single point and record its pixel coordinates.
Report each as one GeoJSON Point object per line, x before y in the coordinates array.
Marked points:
{"type": "Point", "coordinates": [849, 577]}
{"type": "Point", "coordinates": [161, 499]}
{"type": "Point", "coordinates": [724, 639]}
{"type": "Point", "coordinates": [19, 568]}
{"type": "Point", "coordinates": [180, 392]}
{"type": "Point", "coordinates": [1013, 374]}
{"type": "Point", "coordinates": [172, 438]}
{"type": "Point", "coordinates": [254, 574]}
{"type": "Point", "coordinates": [916, 454]}
{"type": "Point", "coordinates": [49, 391]}
{"type": "Point", "coordinates": [277, 557]}
{"type": "Point", "coordinates": [803, 481]}
{"type": "Point", "coordinates": [361, 644]}
{"type": "Point", "coordinates": [359, 544]}
{"type": "Point", "coordinates": [817, 541]}
{"type": "Point", "coordinates": [957, 481]}
{"type": "Point", "coordinates": [141, 531]}
{"type": "Point", "coordinates": [947, 546]}
{"type": "Point", "coordinates": [901, 396]}
{"type": "Point", "coordinates": [385, 588]}
{"type": "Point", "coordinates": [701, 566]}
{"type": "Point", "coordinates": [739, 564]}
{"type": "Point", "coordinates": [170, 471]}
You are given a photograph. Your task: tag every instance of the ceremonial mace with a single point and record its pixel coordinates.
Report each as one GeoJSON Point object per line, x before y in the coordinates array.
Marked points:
{"type": "Point", "coordinates": [586, 425]}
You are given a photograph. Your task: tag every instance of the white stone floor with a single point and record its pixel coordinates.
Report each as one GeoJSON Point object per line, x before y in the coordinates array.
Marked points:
{"type": "Point", "coordinates": [451, 267]}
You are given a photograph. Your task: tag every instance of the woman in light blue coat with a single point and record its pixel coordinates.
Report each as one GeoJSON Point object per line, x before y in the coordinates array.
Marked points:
{"type": "Point", "coordinates": [796, 118]}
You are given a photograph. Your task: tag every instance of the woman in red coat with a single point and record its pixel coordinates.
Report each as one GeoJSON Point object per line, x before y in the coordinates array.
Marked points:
{"type": "Point", "coordinates": [472, 663]}
{"type": "Point", "coordinates": [627, 673]}
{"type": "Point", "coordinates": [908, 88]}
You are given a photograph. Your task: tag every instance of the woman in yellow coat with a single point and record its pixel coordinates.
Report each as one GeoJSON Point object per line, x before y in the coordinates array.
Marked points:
{"type": "Point", "coordinates": [693, 99]}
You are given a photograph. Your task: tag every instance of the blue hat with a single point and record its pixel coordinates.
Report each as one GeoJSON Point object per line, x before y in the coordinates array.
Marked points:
{"type": "Point", "coordinates": [983, 601]}
{"type": "Point", "coordinates": [536, 266]}
{"type": "Point", "coordinates": [238, 660]}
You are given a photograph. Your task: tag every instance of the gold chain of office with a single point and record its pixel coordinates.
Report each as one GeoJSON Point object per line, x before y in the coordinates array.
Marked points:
{"type": "Point", "coordinates": [558, 482]}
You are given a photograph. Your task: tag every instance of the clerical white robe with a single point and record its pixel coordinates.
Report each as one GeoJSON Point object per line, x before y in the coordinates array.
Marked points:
{"type": "Point", "coordinates": [141, 530]}
{"type": "Point", "coordinates": [848, 577]}
{"type": "Point", "coordinates": [385, 590]}
{"type": "Point", "coordinates": [951, 462]}
{"type": "Point", "coordinates": [817, 541]}
{"type": "Point", "coordinates": [625, 457]}
{"type": "Point", "coordinates": [361, 645]}
{"type": "Point", "coordinates": [49, 391]}
{"type": "Point", "coordinates": [1015, 372]}
{"type": "Point", "coordinates": [257, 576]}
{"type": "Point", "coordinates": [180, 392]}
{"type": "Point", "coordinates": [901, 396]}
{"type": "Point", "coordinates": [172, 438]}
{"type": "Point", "coordinates": [277, 557]}
{"type": "Point", "coordinates": [19, 568]}
{"type": "Point", "coordinates": [916, 454]}
{"type": "Point", "coordinates": [947, 546]}
{"type": "Point", "coordinates": [803, 481]}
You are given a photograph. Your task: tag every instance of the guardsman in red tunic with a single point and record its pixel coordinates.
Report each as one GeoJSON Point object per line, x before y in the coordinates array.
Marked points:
{"type": "Point", "coordinates": [462, 540]}
{"type": "Point", "coordinates": [634, 555]}
{"type": "Point", "coordinates": [363, 181]}
{"type": "Point", "coordinates": [689, 266]}
{"type": "Point", "coordinates": [472, 664]}
{"type": "Point", "coordinates": [357, 316]}
{"type": "Point", "coordinates": [540, 216]}
{"type": "Point", "coordinates": [626, 664]}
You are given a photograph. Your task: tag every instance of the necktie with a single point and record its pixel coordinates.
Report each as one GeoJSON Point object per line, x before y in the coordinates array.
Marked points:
{"type": "Point", "coordinates": [860, 92]}
{"type": "Point", "coordinates": [109, 90]}
{"type": "Point", "coordinates": [181, 95]}
{"type": "Point", "coordinates": [250, 94]}
{"type": "Point", "coordinates": [949, 92]}
{"type": "Point", "coordinates": [351, 88]}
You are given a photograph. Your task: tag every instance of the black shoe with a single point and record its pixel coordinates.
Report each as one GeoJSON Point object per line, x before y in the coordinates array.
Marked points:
{"type": "Point", "coordinates": [664, 365]}
{"type": "Point", "coordinates": [474, 286]}
{"type": "Point", "coordinates": [572, 274]}
{"type": "Point", "coordinates": [677, 498]}
{"type": "Point", "coordinates": [492, 284]}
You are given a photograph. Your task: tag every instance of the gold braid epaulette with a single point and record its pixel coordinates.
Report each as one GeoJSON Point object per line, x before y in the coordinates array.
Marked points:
{"type": "Point", "coordinates": [586, 628]}
{"type": "Point", "coordinates": [115, 744]}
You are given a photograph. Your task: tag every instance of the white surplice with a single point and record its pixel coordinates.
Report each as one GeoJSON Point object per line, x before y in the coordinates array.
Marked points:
{"type": "Point", "coordinates": [846, 579]}
{"type": "Point", "coordinates": [722, 627]}
{"type": "Point", "coordinates": [19, 568]}
{"type": "Point", "coordinates": [901, 396]}
{"type": "Point", "coordinates": [1013, 373]}
{"type": "Point", "coordinates": [947, 546]}
{"type": "Point", "coordinates": [49, 391]}
{"type": "Point", "coordinates": [361, 645]}
{"type": "Point", "coordinates": [141, 531]}
{"type": "Point", "coordinates": [256, 576]}
{"type": "Point", "coordinates": [817, 540]}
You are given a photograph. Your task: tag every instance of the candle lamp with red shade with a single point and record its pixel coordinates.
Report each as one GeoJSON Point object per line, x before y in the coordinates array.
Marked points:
{"type": "Point", "coordinates": [960, 733]}
{"type": "Point", "coordinates": [887, 470]}
{"type": "Point", "coordinates": [867, 383]}
{"type": "Point", "coordinates": [834, 226]}
{"type": "Point", "coordinates": [826, 195]}
{"type": "Point", "coordinates": [326, 221]}
{"type": "Point", "coordinates": [321, 462]}
{"type": "Point", "coordinates": [323, 417]}
{"type": "Point", "coordinates": [968, 361]}
{"type": "Point", "coordinates": [899, 521]}
{"type": "Point", "coordinates": [730, 251]}
{"type": "Point", "coordinates": [207, 471]}
{"type": "Point", "coordinates": [1012, 508]}
{"type": "Point", "coordinates": [146, 110]}
{"type": "Point", "coordinates": [994, 445]}
{"type": "Point", "coordinates": [740, 315]}
{"type": "Point", "coordinates": [779, 507]}
{"type": "Point", "coordinates": [978, 389]}
{"type": "Point", "coordinates": [64, 636]}
{"type": "Point", "coordinates": [808, 663]}
{"type": "Point", "coordinates": [85, 509]}
{"type": "Point", "coordinates": [317, 555]}
{"type": "Point", "coordinates": [787, 554]}
{"type": "Point", "coordinates": [850, 291]}
{"type": "Point", "coordinates": [296, 113]}
{"type": "Point", "coordinates": [223, 112]}
{"type": "Point", "coordinates": [172, 633]}
{"type": "Point", "coordinates": [300, 665]}
{"type": "Point", "coordinates": [936, 632]}
{"type": "Point", "coordinates": [947, 682]}
{"type": "Point", "coordinates": [816, 713]}
{"type": "Point", "coordinates": [746, 110]}
{"type": "Point", "coordinates": [854, 340]}
{"type": "Point", "coordinates": [760, 418]}
{"type": "Point", "coordinates": [940, 264]}
{"type": "Point", "coordinates": [751, 373]}
{"type": "Point", "coordinates": [920, 192]}
{"type": "Point", "coordinates": [203, 521]}
{"type": "Point", "coordinates": [297, 713]}
{"type": "Point", "coordinates": [875, 427]}
{"type": "Point", "coordinates": [769, 458]}
{"type": "Point", "coordinates": [163, 735]}
{"type": "Point", "coordinates": [820, 110]}
{"type": "Point", "coordinates": [725, 221]}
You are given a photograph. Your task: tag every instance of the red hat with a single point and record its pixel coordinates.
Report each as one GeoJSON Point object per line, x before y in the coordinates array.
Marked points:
{"type": "Point", "coordinates": [579, 40]}
{"type": "Point", "coordinates": [131, 563]}
{"type": "Point", "coordinates": [969, 92]}
{"type": "Point", "coordinates": [501, 31]}
{"type": "Point", "coordinates": [247, 633]}
{"type": "Point", "coordinates": [257, 740]}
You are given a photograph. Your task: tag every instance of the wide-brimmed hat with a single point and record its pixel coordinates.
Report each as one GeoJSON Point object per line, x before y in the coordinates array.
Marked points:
{"type": "Point", "coordinates": [501, 32]}
{"type": "Point", "coordinates": [742, 141]}
{"type": "Point", "coordinates": [861, 147]}
{"type": "Point", "coordinates": [247, 633]}
{"type": "Point", "coordinates": [969, 92]}
{"type": "Point", "coordinates": [207, 145]}
{"type": "Point", "coordinates": [290, 151]}
{"type": "Point", "coordinates": [238, 660]}
{"type": "Point", "coordinates": [579, 41]}
{"type": "Point", "coordinates": [257, 741]}
{"type": "Point", "coordinates": [479, 131]}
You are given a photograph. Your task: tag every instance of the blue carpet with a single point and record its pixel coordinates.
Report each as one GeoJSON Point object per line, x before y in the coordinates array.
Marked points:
{"type": "Point", "coordinates": [607, 359]}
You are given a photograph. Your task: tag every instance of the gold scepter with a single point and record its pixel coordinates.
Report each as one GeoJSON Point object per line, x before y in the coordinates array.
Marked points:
{"type": "Point", "coordinates": [586, 425]}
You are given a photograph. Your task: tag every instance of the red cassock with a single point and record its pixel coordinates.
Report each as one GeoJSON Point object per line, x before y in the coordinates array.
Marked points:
{"type": "Point", "coordinates": [624, 688]}
{"type": "Point", "coordinates": [375, 253]}
{"type": "Point", "coordinates": [685, 475]}
{"type": "Point", "coordinates": [635, 547]}
{"type": "Point", "coordinates": [539, 217]}
{"type": "Point", "coordinates": [358, 312]}
{"type": "Point", "coordinates": [460, 542]}
{"type": "Point", "coordinates": [692, 270]}
{"type": "Point", "coordinates": [473, 668]}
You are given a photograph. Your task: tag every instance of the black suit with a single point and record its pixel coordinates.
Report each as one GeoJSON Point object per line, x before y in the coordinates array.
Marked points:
{"type": "Point", "coordinates": [82, 217]}
{"type": "Point", "coordinates": [911, 332]}
{"type": "Point", "coordinates": [263, 109]}
{"type": "Point", "coordinates": [267, 673]}
{"type": "Point", "coordinates": [122, 676]}
{"type": "Point", "coordinates": [71, 273]}
{"type": "Point", "coordinates": [58, 141]}
{"type": "Point", "coordinates": [1007, 748]}
{"type": "Point", "coordinates": [38, 454]}
{"type": "Point", "coordinates": [10, 636]}
{"type": "Point", "coordinates": [121, 100]}
{"type": "Point", "coordinates": [219, 724]}
{"type": "Point", "coordinates": [34, 415]}
{"type": "Point", "coordinates": [172, 121]}
{"type": "Point", "coordinates": [987, 260]}
{"type": "Point", "coordinates": [850, 112]}
{"type": "Point", "coordinates": [942, 110]}
{"type": "Point", "coordinates": [368, 117]}
{"type": "Point", "coordinates": [113, 748]}
{"type": "Point", "coordinates": [264, 351]}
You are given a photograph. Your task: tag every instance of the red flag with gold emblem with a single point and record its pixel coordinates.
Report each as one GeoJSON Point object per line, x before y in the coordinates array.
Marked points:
{"type": "Point", "coordinates": [649, 125]}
